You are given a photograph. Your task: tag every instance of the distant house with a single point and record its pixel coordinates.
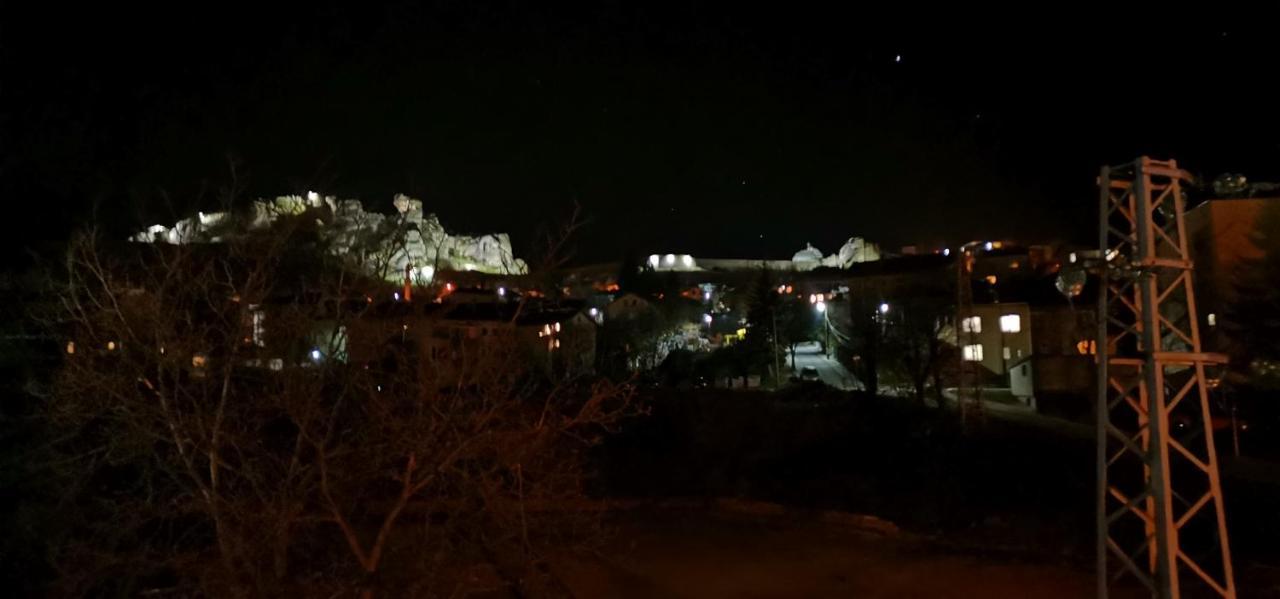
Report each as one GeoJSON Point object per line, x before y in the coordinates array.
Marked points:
{"type": "Point", "coordinates": [628, 306]}
{"type": "Point", "coordinates": [1220, 234]}
{"type": "Point", "coordinates": [446, 338]}
{"type": "Point", "coordinates": [1020, 329]}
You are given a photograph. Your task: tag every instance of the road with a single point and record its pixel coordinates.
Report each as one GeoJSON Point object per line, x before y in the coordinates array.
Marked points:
{"type": "Point", "coordinates": [829, 370]}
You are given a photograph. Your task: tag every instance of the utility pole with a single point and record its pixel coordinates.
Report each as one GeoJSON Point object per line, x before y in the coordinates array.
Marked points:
{"type": "Point", "coordinates": [1160, 514]}
{"type": "Point", "coordinates": [777, 366]}
{"type": "Point", "coordinates": [968, 385]}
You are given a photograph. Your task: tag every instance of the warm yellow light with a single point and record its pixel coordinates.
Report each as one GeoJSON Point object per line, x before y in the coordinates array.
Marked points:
{"type": "Point", "coordinates": [973, 353]}
{"type": "Point", "coordinates": [991, 279]}
{"type": "Point", "coordinates": [1010, 323]}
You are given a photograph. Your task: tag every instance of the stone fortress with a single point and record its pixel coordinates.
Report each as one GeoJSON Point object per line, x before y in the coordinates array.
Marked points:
{"type": "Point", "coordinates": [387, 246]}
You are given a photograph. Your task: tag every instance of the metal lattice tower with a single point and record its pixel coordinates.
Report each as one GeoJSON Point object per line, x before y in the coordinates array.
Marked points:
{"type": "Point", "coordinates": [1160, 510]}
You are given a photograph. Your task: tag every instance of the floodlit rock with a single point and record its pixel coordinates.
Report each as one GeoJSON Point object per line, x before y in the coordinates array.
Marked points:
{"type": "Point", "coordinates": [386, 246]}
{"type": "Point", "coordinates": [855, 250]}
{"type": "Point", "coordinates": [808, 254]}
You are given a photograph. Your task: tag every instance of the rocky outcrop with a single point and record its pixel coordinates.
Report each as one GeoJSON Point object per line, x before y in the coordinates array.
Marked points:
{"type": "Point", "coordinates": [387, 246]}
{"type": "Point", "coordinates": [855, 250]}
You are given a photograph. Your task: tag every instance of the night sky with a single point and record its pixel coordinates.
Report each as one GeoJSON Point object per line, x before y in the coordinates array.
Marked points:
{"type": "Point", "coordinates": [708, 129]}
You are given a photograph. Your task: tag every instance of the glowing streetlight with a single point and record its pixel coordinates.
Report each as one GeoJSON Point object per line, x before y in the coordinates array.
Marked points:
{"type": "Point", "coordinates": [706, 319]}
{"type": "Point", "coordinates": [315, 355]}
{"type": "Point", "coordinates": [820, 306]}
{"type": "Point", "coordinates": [884, 308]}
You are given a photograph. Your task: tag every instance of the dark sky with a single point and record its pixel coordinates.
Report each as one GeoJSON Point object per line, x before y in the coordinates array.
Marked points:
{"type": "Point", "coordinates": [710, 129]}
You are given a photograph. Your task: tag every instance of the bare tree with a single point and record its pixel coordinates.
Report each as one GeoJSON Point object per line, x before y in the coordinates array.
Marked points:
{"type": "Point", "coordinates": [222, 443]}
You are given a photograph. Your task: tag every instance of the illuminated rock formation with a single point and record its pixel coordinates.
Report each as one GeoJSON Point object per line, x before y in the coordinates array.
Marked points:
{"type": "Point", "coordinates": [384, 245]}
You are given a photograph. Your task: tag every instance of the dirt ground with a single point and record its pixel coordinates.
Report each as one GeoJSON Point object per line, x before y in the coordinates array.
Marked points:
{"type": "Point", "coordinates": [692, 554]}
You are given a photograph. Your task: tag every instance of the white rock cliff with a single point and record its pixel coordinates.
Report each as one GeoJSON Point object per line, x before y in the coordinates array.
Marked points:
{"type": "Point", "coordinates": [387, 246]}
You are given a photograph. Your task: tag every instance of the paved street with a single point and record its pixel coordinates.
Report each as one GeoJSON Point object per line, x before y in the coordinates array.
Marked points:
{"type": "Point", "coordinates": [829, 370]}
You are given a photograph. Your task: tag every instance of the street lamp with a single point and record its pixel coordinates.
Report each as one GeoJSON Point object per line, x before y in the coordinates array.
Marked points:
{"type": "Point", "coordinates": [884, 308]}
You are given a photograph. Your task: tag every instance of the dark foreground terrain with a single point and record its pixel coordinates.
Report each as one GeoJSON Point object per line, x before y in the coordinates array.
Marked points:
{"type": "Point", "coordinates": [1014, 495]}
{"type": "Point", "coordinates": [710, 554]}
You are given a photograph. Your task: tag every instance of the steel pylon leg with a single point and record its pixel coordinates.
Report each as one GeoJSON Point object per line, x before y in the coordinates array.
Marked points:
{"type": "Point", "coordinates": [1160, 514]}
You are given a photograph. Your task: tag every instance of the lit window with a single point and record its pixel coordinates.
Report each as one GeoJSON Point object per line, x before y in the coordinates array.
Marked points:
{"type": "Point", "coordinates": [971, 324]}
{"type": "Point", "coordinates": [991, 279]}
{"type": "Point", "coordinates": [71, 347]}
{"type": "Point", "coordinates": [557, 327]}
{"type": "Point", "coordinates": [1008, 354]}
{"type": "Point", "coordinates": [1010, 323]}
{"type": "Point", "coordinates": [259, 328]}
{"type": "Point", "coordinates": [198, 360]}
{"type": "Point", "coordinates": [1086, 347]}
{"type": "Point", "coordinates": [1213, 319]}
{"type": "Point", "coordinates": [973, 353]}
{"type": "Point", "coordinates": [111, 346]}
